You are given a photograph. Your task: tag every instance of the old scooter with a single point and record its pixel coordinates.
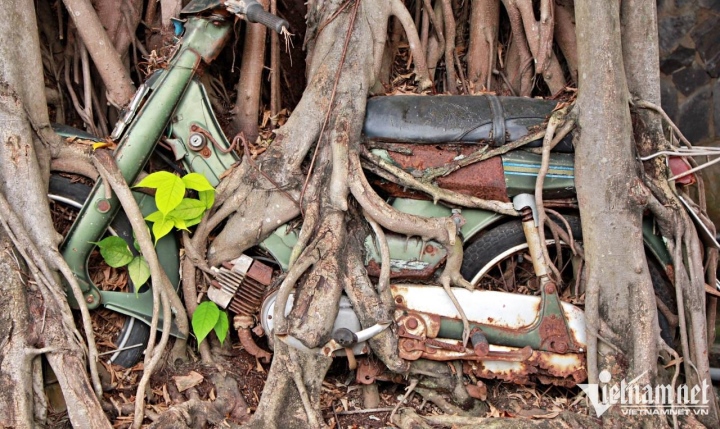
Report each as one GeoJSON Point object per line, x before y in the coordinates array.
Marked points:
{"type": "Point", "coordinates": [520, 325]}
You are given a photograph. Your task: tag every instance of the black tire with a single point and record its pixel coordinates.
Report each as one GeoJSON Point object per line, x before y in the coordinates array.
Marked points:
{"type": "Point", "coordinates": [508, 236]}
{"type": "Point", "coordinates": [133, 331]}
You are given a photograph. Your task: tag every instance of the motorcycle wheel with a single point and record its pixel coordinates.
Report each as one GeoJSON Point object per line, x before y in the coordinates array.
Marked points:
{"type": "Point", "coordinates": [499, 260]}
{"type": "Point", "coordinates": [72, 196]}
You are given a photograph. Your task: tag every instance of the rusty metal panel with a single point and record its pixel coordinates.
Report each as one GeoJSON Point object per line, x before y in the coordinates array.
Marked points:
{"type": "Point", "coordinates": [485, 179]}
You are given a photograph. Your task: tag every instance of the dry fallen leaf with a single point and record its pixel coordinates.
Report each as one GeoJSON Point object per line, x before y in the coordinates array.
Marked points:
{"type": "Point", "coordinates": [184, 382]}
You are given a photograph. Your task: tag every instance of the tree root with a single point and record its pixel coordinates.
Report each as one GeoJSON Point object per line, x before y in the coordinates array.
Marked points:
{"type": "Point", "coordinates": [228, 403]}
{"type": "Point", "coordinates": [384, 279]}
{"type": "Point", "coordinates": [422, 76]}
{"type": "Point", "coordinates": [485, 18]}
{"type": "Point", "coordinates": [449, 25]}
{"type": "Point", "coordinates": [442, 230]}
{"type": "Point", "coordinates": [559, 118]}
{"type": "Point", "coordinates": [114, 74]}
{"type": "Point", "coordinates": [44, 277]}
{"type": "Point", "coordinates": [162, 290]}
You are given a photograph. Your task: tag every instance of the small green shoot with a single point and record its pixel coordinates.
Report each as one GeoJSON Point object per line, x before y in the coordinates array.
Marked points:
{"type": "Point", "coordinates": [174, 210]}
{"type": "Point", "coordinates": [209, 317]}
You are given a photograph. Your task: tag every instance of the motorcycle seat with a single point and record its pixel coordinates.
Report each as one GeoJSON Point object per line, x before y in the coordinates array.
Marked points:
{"type": "Point", "coordinates": [442, 119]}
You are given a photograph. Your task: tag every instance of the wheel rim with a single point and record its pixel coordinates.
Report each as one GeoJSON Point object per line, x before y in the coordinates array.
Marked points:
{"type": "Point", "coordinates": [518, 260]}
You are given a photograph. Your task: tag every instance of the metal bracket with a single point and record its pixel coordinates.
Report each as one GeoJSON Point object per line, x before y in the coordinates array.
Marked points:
{"type": "Point", "coordinates": [521, 201]}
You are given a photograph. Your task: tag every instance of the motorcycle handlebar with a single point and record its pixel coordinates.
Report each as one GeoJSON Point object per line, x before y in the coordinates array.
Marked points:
{"type": "Point", "coordinates": [254, 12]}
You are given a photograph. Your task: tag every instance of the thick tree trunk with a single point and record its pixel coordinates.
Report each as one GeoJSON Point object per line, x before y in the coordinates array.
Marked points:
{"type": "Point", "coordinates": [618, 282]}
{"type": "Point", "coordinates": [22, 103]}
{"type": "Point", "coordinates": [16, 397]}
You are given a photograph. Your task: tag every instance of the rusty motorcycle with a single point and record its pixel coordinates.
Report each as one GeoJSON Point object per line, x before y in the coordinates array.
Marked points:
{"type": "Point", "coordinates": [520, 328]}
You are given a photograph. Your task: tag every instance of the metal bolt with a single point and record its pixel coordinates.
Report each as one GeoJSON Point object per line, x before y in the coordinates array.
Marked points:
{"type": "Point", "coordinates": [398, 300]}
{"type": "Point", "coordinates": [196, 141]}
{"type": "Point", "coordinates": [412, 323]}
{"type": "Point", "coordinates": [89, 299]}
{"type": "Point", "coordinates": [550, 288]}
{"type": "Point", "coordinates": [560, 346]}
{"type": "Point", "coordinates": [103, 206]}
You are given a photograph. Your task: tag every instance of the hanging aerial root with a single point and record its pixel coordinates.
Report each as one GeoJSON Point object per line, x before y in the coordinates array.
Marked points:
{"type": "Point", "coordinates": [563, 120]}
{"type": "Point", "coordinates": [422, 75]}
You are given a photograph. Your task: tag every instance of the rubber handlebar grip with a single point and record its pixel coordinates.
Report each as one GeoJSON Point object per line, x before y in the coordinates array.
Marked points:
{"type": "Point", "coordinates": [256, 13]}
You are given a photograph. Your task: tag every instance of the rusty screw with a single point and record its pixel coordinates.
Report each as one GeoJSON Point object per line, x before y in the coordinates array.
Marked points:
{"type": "Point", "coordinates": [89, 299]}
{"type": "Point", "coordinates": [103, 206]}
{"type": "Point", "coordinates": [412, 323]}
{"type": "Point", "coordinates": [550, 288]}
{"type": "Point", "coordinates": [398, 300]}
{"type": "Point", "coordinates": [560, 346]}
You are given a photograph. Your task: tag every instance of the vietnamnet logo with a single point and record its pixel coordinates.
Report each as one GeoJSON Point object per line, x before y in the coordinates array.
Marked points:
{"type": "Point", "coordinates": [635, 399]}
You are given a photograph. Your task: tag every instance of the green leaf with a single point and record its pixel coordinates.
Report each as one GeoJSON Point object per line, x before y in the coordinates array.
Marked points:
{"type": "Point", "coordinates": [115, 251]}
{"type": "Point", "coordinates": [193, 222]}
{"type": "Point", "coordinates": [161, 228]}
{"type": "Point", "coordinates": [189, 208]}
{"type": "Point", "coordinates": [197, 181]}
{"type": "Point", "coordinates": [204, 319]}
{"type": "Point", "coordinates": [207, 197]}
{"type": "Point", "coordinates": [155, 216]}
{"type": "Point", "coordinates": [179, 223]}
{"type": "Point", "coordinates": [170, 189]}
{"type": "Point", "coordinates": [168, 197]}
{"type": "Point", "coordinates": [157, 180]}
{"type": "Point", "coordinates": [139, 271]}
{"type": "Point", "coordinates": [222, 326]}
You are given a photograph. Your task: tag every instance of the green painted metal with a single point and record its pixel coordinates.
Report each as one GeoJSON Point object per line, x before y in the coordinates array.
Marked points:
{"type": "Point", "coordinates": [194, 110]}
{"type": "Point", "coordinates": [522, 167]}
{"type": "Point", "coordinates": [203, 40]}
{"type": "Point", "coordinates": [529, 336]}
{"type": "Point", "coordinates": [280, 244]}
{"type": "Point", "coordinates": [655, 243]}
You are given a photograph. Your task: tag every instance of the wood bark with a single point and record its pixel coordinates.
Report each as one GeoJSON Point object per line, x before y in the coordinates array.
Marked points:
{"type": "Point", "coordinates": [481, 59]}
{"type": "Point", "coordinates": [618, 282]}
{"type": "Point", "coordinates": [108, 61]}
{"type": "Point", "coordinates": [247, 102]}
{"type": "Point", "coordinates": [21, 89]}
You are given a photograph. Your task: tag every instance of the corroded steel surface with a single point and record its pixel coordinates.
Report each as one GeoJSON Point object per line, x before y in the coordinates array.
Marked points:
{"type": "Point", "coordinates": [485, 179]}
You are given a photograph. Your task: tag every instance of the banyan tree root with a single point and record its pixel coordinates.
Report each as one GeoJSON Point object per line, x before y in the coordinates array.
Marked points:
{"type": "Point", "coordinates": [162, 290]}
{"type": "Point", "coordinates": [482, 55]}
{"type": "Point", "coordinates": [228, 405]}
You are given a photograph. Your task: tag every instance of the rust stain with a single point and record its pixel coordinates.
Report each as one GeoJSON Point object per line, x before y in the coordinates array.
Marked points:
{"type": "Point", "coordinates": [369, 370]}
{"type": "Point", "coordinates": [249, 344]}
{"type": "Point", "coordinates": [485, 179]}
{"type": "Point", "coordinates": [373, 269]}
{"type": "Point", "coordinates": [554, 335]}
